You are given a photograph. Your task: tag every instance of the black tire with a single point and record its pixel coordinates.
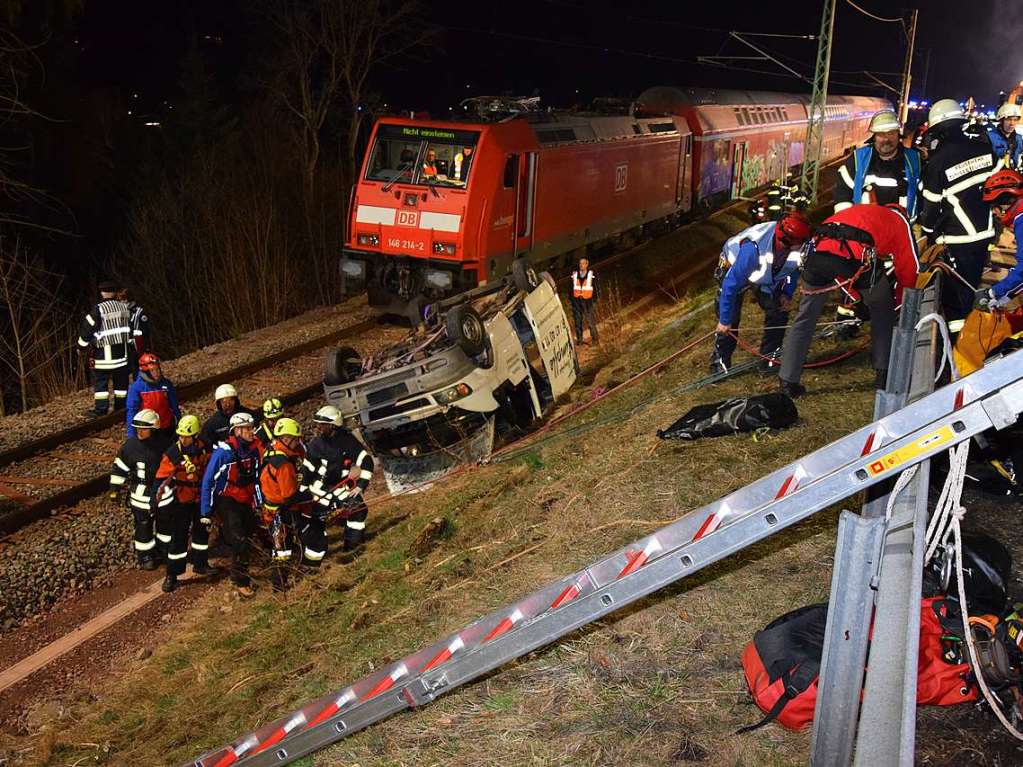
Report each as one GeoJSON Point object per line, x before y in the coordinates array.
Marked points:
{"type": "Point", "coordinates": [524, 275]}
{"type": "Point", "coordinates": [465, 327]}
{"type": "Point", "coordinates": [344, 365]}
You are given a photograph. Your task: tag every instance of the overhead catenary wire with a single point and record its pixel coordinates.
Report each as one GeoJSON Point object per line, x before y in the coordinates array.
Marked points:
{"type": "Point", "coordinates": [865, 12]}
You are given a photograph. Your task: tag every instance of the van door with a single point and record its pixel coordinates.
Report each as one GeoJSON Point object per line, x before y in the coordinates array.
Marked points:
{"type": "Point", "coordinates": [550, 325]}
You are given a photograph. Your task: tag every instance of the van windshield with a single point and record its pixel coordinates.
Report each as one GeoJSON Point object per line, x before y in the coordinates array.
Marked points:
{"type": "Point", "coordinates": [422, 155]}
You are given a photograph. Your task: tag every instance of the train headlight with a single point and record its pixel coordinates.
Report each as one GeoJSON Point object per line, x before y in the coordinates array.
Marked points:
{"type": "Point", "coordinates": [446, 397]}
{"type": "Point", "coordinates": [444, 248]}
{"type": "Point", "coordinates": [355, 270]}
{"type": "Point", "coordinates": [438, 278]}
{"type": "Point", "coordinates": [372, 240]}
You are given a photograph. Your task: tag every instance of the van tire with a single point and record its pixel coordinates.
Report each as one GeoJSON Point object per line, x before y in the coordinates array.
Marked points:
{"type": "Point", "coordinates": [465, 327]}
{"type": "Point", "coordinates": [524, 275]}
{"type": "Point", "coordinates": [343, 366]}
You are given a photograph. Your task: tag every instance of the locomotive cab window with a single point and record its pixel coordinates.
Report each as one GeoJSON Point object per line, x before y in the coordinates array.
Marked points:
{"type": "Point", "coordinates": [422, 155]}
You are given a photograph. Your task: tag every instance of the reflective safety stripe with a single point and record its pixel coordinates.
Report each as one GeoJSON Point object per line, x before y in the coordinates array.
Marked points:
{"type": "Point", "coordinates": [163, 538]}
{"type": "Point", "coordinates": [117, 479]}
{"type": "Point", "coordinates": [182, 555]}
{"type": "Point", "coordinates": [101, 395]}
{"type": "Point", "coordinates": [140, 469]}
{"type": "Point", "coordinates": [314, 555]}
{"type": "Point", "coordinates": [120, 393]}
{"type": "Point", "coordinates": [200, 546]}
{"type": "Point", "coordinates": [284, 554]}
{"type": "Point", "coordinates": [956, 325]}
{"type": "Point", "coordinates": [90, 320]}
{"type": "Point", "coordinates": [839, 206]}
{"type": "Point", "coordinates": [365, 474]}
{"type": "Point", "coordinates": [353, 525]}
{"type": "Point", "coordinates": [145, 546]}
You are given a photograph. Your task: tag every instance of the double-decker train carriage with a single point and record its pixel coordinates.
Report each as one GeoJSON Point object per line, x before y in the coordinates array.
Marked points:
{"type": "Point", "coordinates": [442, 206]}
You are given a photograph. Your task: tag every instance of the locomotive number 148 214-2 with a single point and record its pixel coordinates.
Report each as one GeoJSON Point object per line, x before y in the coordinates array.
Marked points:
{"type": "Point", "coordinates": [417, 245]}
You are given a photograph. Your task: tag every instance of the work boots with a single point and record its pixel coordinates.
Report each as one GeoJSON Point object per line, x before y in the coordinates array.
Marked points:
{"type": "Point", "coordinates": [169, 584]}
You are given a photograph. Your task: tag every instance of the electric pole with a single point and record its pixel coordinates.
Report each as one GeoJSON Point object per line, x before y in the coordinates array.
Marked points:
{"type": "Point", "coordinates": [907, 68]}
{"type": "Point", "coordinates": [816, 113]}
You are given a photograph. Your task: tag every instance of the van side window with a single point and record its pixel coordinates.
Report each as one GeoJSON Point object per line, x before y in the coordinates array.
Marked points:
{"type": "Point", "coordinates": [511, 171]}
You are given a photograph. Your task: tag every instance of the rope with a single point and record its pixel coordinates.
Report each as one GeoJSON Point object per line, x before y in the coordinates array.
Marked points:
{"type": "Point", "coordinates": [946, 346]}
{"type": "Point", "coordinates": [874, 16]}
{"type": "Point", "coordinates": [807, 366]}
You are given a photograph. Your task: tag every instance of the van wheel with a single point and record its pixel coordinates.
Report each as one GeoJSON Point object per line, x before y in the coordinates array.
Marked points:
{"type": "Point", "coordinates": [344, 365]}
{"type": "Point", "coordinates": [524, 275]}
{"type": "Point", "coordinates": [465, 327]}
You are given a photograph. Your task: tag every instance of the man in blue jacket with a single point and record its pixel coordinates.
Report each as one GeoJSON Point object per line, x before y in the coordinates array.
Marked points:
{"type": "Point", "coordinates": [1004, 192]}
{"type": "Point", "coordinates": [1006, 143]}
{"type": "Point", "coordinates": [152, 390]}
{"type": "Point", "coordinates": [766, 259]}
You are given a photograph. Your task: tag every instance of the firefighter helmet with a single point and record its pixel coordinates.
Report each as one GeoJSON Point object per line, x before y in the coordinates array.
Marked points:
{"type": "Point", "coordinates": [148, 361]}
{"type": "Point", "coordinates": [1008, 109]}
{"type": "Point", "coordinates": [1003, 186]}
{"type": "Point", "coordinates": [884, 121]}
{"type": "Point", "coordinates": [944, 110]}
{"type": "Point", "coordinates": [328, 414]}
{"type": "Point", "coordinates": [188, 426]}
{"type": "Point", "coordinates": [793, 229]}
{"type": "Point", "coordinates": [241, 419]}
{"type": "Point", "coordinates": [224, 391]}
{"type": "Point", "coordinates": [287, 427]}
{"type": "Point", "coordinates": [146, 419]}
{"type": "Point", "coordinates": [273, 408]}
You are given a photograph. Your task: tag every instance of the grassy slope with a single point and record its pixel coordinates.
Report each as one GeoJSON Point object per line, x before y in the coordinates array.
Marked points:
{"type": "Point", "coordinates": [659, 684]}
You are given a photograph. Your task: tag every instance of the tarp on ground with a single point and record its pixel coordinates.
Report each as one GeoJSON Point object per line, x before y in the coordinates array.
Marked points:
{"type": "Point", "coordinates": [732, 416]}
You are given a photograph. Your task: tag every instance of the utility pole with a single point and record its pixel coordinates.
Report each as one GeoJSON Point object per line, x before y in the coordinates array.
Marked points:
{"type": "Point", "coordinates": [814, 142]}
{"type": "Point", "coordinates": [907, 68]}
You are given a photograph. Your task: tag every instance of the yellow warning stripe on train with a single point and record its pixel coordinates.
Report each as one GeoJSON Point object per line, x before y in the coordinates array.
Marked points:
{"type": "Point", "coordinates": [904, 454]}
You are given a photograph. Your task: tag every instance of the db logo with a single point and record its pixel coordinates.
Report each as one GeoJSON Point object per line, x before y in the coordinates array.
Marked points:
{"type": "Point", "coordinates": [621, 177]}
{"type": "Point", "coordinates": [408, 218]}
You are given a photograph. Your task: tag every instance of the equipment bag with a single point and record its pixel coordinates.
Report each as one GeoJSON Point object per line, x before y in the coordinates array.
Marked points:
{"type": "Point", "coordinates": [739, 414]}
{"type": "Point", "coordinates": [987, 565]}
{"type": "Point", "coordinates": [782, 663]}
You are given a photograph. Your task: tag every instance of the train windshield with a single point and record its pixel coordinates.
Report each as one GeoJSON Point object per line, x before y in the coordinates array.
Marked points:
{"type": "Point", "coordinates": [422, 155]}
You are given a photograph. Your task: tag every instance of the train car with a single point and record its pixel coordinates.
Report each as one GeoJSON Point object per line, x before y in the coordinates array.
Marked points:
{"type": "Point", "coordinates": [443, 206]}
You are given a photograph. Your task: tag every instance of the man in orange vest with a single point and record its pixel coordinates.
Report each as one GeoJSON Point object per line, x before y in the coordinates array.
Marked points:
{"type": "Point", "coordinates": [584, 297]}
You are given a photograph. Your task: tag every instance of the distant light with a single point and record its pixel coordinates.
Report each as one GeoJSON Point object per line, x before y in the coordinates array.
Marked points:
{"type": "Point", "coordinates": [467, 85]}
{"type": "Point", "coordinates": [152, 125]}
{"type": "Point", "coordinates": [129, 113]}
{"type": "Point", "coordinates": [912, 104]}
{"type": "Point", "coordinates": [134, 95]}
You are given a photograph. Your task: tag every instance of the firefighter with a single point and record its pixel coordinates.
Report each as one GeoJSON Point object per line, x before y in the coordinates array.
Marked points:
{"type": "Point", "coordinates": [849, 252]}
{"type": "Point", "coordinates": [1006, 143]}
{"type": "Point", "coordinates": [338, 469]}
{"type": "Point", "coordinates": [1004, 192]}
{"type": "Point", "coordinates": [283, 495]}
{"type": "Point", "coordinates": [954, 212]}
{"type": "Point", "coordinates": [151, 390]}
{"type": "Point", "coordinates": [135, 470]}
{"type": "Point", "coordinates": [584, 298]}
{"type": "Point", "coordinates": [104, 337]}
{"type": "Point", "coordinates": [230, 488]}
{"type": "Point", "coordinates": [272, 410]}
{"type": "Point", "coordinates": [766, 259]}
{"type": "Point", "coordinates": [883, 171]}
{"type": "Point", "coordinates": [218, 426]}
{"type": "Point", "coordinates": [177, 502]}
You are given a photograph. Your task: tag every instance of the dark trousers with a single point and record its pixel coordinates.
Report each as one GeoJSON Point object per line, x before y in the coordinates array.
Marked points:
{"type": "Point", "coordinates": [312, 531]}
{"type": "Point", "coordinates": [582, 309]}
{"type": "Point", "coordinates": [877, 295]}
{"type": "Point", "coordinates": [355, 524]}
{"type": "Point", "coordinates": [180, 520]}
{"type": "Point", "coordinates": [101, 381]}
{"type": "Point", "coordinates": [145, 540]}
{"type": "Point", "coordinates": [239, 525]}
{"type": "Point", "coordinates": [969, 261]}
{"type": "Point", "coordinates": [775, 321]}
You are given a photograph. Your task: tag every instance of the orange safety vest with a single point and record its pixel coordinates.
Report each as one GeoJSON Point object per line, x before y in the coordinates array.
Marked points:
{"type": "Point", "coordinates": [582, 288]}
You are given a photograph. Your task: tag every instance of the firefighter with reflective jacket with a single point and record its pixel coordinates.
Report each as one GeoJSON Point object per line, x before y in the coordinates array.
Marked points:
{"type": "Point", "coordinates": [584, 298]}
{"type": "Point", "coordinates": [338, 469]}
{"type": "Point", "coordinates": [142, 340]}
{"type": "Point", "coordinates": [764, 258]}
{"type": "Point", "coordinates": [854, 251]}
{"type": "Point", "coordinates": [1003, 191]}
{"type": "Point", "coordinates": [272, 411]}
{"type": "Point", "coordinates": [954, 212]}
{"type": "Point", "coordinates": [218, 426]}
{"type": "Point", "coordinates": [105, 336]}
{"type": "Point", "coordinates": [882, 172]}
{"type": "Point", "coordinates": [230, 487]}
{"type": "Point", "coordinates": [151, 390]}
{"type": "Point", "coordinates": [284, 498]}
{"type": "Point", "coordinates": [1006, 143]}
{"type": "Point", "coordinates": [135, 471]}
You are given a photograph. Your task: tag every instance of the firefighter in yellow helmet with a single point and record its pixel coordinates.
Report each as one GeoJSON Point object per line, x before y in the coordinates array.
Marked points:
{"type": "Point", "coordinates": [283, 497]}
{"type": "Point", "coordinates": [273, 409]}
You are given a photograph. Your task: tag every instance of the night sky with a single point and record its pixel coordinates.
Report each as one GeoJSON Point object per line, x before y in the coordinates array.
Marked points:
{"type": "Point", "coordinates": [560, 47]}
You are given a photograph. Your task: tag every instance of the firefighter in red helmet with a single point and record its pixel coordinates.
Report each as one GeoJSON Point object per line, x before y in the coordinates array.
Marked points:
{"type": "Point", "coordinates": [1003, 191]}
{"type": "Point", "coordinates": [152, 390]}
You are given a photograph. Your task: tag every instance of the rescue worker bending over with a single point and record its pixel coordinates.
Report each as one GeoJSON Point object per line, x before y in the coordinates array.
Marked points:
{"type": "Point", "coordinates": [954, 212]}
{"type": "Point", "coordinates": [177, 502]}
{"type": "Point", "coordinates": [1006, 143]}
{"type": "Point", "coordinates": [230, 488]}
{"type": "Point", "coordinates": [272, 410]}
{"type": "Point", "coordinates": [218, 426]}
{"type": "Point", "coordinates": [847, 253]}
{"type": "Point", "coordinates": [584, 299]}
{"type": "Point", "coordinates": [104, 337]}
{"type": "Point", "coordinates": [338, 470]}
{"type": "Point", "coordinates": [883, 171]}
{"type": "Point", "coordinates": [152, 391]}
{"type": "Point", "coordinates": [135, 470]}
{"type": "Point", "coordinates": [283, 497]}
{"type": "Point", "coordinates": [765, 258]}
{"type": "Point", "coordinates": [1004, 192]}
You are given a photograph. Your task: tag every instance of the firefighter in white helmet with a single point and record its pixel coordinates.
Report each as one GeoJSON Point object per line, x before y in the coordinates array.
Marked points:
{"type": "Point", "coordinates": [1006, 142]}
{"type": "Point", "coordinates": [217, 426]}
{"type": "Point", "coordinates": [134, 470]}
{"type": "Point", "coordinates": [883, 171]}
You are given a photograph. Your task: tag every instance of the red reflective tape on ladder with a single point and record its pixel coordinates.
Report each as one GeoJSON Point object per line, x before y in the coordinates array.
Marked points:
{"type": "Point", "coordinates": [640, 558]}
{"type": "Point", "coordinates": [869, 445]}
{"type": "Point", "coordinates": [444, 655]}
{"type": "Point", "coordinates": [282, 732]}
{"type": "Point", "coordinates": [504, 625]}
{"type": "Point", "coordinates": [332, 709]}
{"type": "Point", "coordinates": [789, 484]}
{"type": "Point", "coordinates": [709, 526]}
{"type": "Point", "coordinates": [237, 752]}
{"type": "Point", "coordinates": [567, 595]}
{"type": "Point", "coordinates": [959, 399]}
{"type": "Point", "coordinates": [386, 683]}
